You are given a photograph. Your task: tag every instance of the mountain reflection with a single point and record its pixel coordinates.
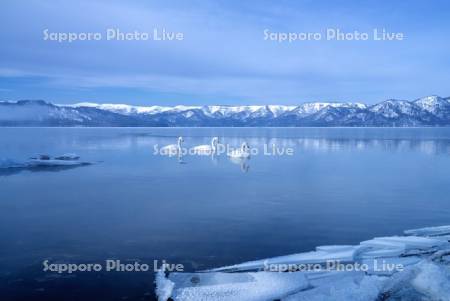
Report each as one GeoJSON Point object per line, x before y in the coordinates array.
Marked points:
{"type": "Point", "coordinates": [432, 141]}
{"type": "Point", "coordinates": [430, 146]}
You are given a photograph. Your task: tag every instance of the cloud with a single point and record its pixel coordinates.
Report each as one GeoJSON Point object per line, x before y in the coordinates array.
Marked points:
{"type": "Point", "coordinates": [223, 55]}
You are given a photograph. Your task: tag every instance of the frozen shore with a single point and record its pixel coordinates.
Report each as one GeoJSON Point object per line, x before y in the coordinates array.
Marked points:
{"type": "Point", "coordinates": [415, 266]}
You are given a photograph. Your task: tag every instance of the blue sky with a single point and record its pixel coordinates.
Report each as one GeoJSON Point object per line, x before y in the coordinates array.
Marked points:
{"type": "Point", "coordinates": [223, 58]}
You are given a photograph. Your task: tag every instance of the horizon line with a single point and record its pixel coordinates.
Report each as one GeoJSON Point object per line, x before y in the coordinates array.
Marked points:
{"type": "Point", "coordinates": [208, 105]}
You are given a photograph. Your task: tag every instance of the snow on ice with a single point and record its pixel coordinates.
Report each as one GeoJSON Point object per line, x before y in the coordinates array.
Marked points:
{"type": "Point", "coordinates": [411, 267]}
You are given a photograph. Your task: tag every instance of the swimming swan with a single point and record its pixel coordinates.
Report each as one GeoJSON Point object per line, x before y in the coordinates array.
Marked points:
{"type": "Point", "coordinates": [244, 152]}
{"type": "Point", "coordinates": [242, 162]}
{"type": "Point", "coordinates": [207, 149]}
{"type": "Point", "coordinates": [173, 149]}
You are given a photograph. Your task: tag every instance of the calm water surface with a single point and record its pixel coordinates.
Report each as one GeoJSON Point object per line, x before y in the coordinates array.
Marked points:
{"type": "Point", "coordinates": [341, 186]}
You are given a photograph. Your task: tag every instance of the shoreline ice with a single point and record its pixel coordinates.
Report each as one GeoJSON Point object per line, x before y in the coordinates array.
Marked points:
{"type": "Point", "coordinates": [414, 267]}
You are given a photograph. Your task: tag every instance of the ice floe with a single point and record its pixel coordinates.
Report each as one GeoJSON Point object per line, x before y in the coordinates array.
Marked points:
{"type": "Point", "coordinates": [66, 160]}
{"type": "Point", "coordinates": [412, 267]}
{"type": "Point", "coordinates": [68, 157]}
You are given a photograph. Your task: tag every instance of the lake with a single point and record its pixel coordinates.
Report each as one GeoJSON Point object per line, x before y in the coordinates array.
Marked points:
{"type": "Point", "coordinates": [340, 186]}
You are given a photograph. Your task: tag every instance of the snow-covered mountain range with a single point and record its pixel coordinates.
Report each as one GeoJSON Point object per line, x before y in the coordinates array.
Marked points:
{"type": "Point", "coordinates": [426, 111]}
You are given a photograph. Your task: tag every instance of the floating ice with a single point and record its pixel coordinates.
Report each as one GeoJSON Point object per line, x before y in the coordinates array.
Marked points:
{"type": "Point", "coordinates": [53, 162]}
{"type": "Point", "coordinates": [65, 160]}
{"type": "Point", "coordinates": [68, 157]}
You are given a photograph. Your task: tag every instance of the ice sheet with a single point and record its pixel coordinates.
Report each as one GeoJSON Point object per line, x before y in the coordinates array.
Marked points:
{"type": "Point", "coordinates": [396, 267]}
{"type": "Point", "coordinates": [429, 231]}
{"type": "Point", "coordinates": [343, 288]}
{"type": "Point", "coordinates": [383, 252]}
{"type": "Point", "coordinates": [231, 286]}
{"type": "Point", "coordinates": [406, 242]}
{"type": "Point", "coordinates": [336, 248]}
{"type": "Point", "coordinates": [316, 257]}
{"type": "Point", "coordinates": [389, 265]}
{"type": "Point", "coordinates": [433, 281]}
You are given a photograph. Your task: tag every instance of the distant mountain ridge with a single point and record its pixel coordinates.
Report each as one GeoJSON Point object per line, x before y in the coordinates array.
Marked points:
{"type": "Point", "coordinates": [426, 111]}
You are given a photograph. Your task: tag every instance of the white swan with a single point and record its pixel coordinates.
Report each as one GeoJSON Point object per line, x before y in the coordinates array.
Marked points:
{"type": "Point", "coordinates": [243, 162]}
{"type": "Point", "coordinates": [173, 149]}
{"type": "Point", "coordinates": [206, 149]}
{"type": "Point", "coordinates": [244, 152]}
